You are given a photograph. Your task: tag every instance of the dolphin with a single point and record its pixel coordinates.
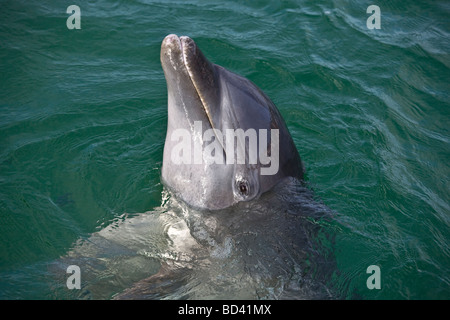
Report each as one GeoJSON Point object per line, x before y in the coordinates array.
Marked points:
{"type": "Point", "coordinates": [259, 254]}
{"type": "Point", "coordinates": [188, 248]}
{"type": "Point", "coordinates": [207, 104]}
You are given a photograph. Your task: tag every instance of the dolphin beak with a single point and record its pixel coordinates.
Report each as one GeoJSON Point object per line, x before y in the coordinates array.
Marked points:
{"type": "Point", "coordinates": [172, 54]}
{"type": "Point", "coordinates": [180, 57]}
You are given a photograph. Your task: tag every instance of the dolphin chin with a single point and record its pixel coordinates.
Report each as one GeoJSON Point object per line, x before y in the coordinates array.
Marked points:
{"type": "Point", "coordinates": [226, 141]}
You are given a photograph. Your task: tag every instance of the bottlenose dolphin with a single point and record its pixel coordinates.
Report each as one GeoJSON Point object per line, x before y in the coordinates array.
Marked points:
{"type": "Point", "coordinates": [207, 104]}
{"type": "Point", "coordinates": [188, 248]}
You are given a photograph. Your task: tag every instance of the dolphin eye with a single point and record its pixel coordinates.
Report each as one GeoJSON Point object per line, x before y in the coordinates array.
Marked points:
{"type": "Point", "coordinates": [243, 188]}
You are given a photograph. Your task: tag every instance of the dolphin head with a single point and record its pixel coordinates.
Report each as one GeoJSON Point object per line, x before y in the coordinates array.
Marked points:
{"type": "Point", "coordinates": [226, 141]}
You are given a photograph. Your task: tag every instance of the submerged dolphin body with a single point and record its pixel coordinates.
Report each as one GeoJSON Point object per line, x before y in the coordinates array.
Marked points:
{"type": "Point", "coordinates": [277, 247]}
{"type": "Point", "coordinates": [205, 103]}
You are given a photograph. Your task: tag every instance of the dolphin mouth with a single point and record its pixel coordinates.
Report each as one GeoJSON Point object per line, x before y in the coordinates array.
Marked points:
{"type": "Point", "coordinates": [182, 55]}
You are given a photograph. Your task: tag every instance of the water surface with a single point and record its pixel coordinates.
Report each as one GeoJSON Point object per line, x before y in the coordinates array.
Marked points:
{"type": "Point", "coordinates": [83, 117]}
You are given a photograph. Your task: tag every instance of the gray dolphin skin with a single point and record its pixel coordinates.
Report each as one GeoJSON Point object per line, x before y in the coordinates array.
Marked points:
{"type": "Point", "coordinates": [206, 101]}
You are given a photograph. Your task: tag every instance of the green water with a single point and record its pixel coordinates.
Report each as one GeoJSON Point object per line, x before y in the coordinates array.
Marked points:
{"type": "Point", "coordinates": [83, 116]}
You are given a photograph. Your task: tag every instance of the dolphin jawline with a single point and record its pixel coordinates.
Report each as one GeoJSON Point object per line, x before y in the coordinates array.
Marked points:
{"type": "Point", "coordinates": [201, 72]}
